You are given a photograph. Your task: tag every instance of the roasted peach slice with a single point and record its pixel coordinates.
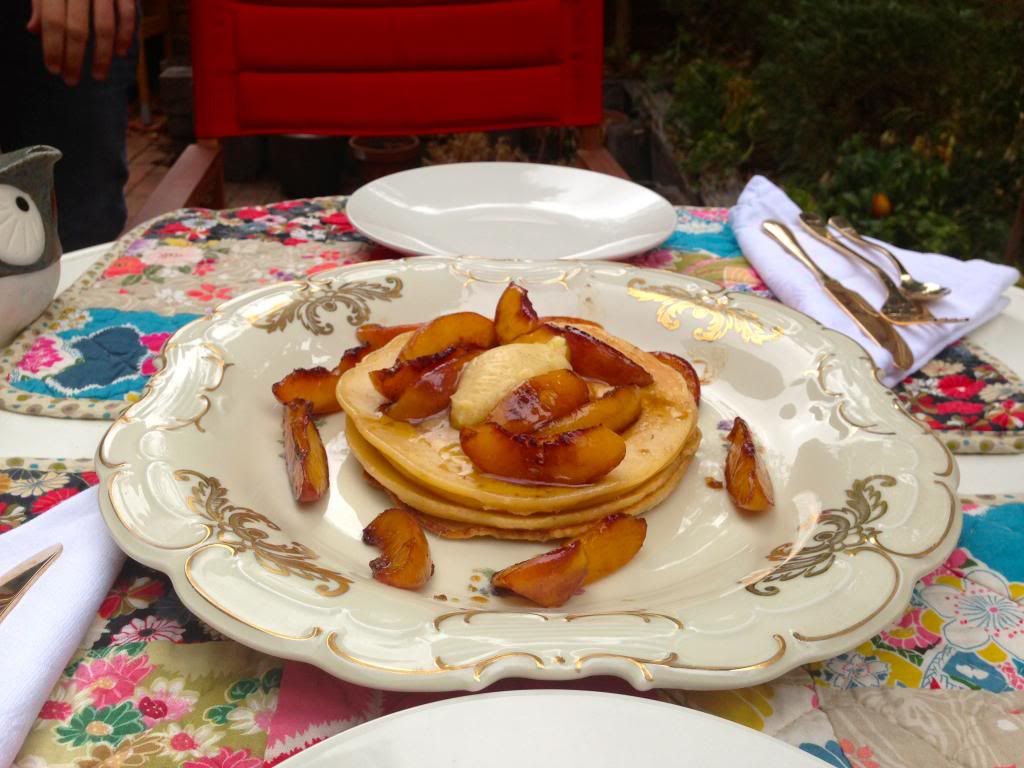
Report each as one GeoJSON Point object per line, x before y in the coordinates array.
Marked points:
{"type": "Point", "coordinates": [351, 357]}
{"type": "Point", "coordinates": [570, 458]}
{"type": "Point", "coordinates": [376, 335]}
{"type": "Point", "coordinates": [460, 329]}
{"type": "Point", "coordinates": [304, 454]}
{"type": "Point", "coordinates": [540, 400]}
{"type": "Point", "coordinates": [405, 555]}
{"type": "Point", "coordinates": [591, 357]}
{"type": "Point", "coordinates": [685, 370]}
{"type": "Point", "coordinates": [514, 315]}
{"type": "Point", "coordinates": [611, 543]}
{"type": "Point", "coordinates": [616, 409]}
{"type": "Point", "coordinates": [594, 359]}
{"type": "Point", "coordinates": [548, 580]}
{"type": "Point", "coordinates": [746, 478]}
{"type": "Point", "coordinates": [392, 382]}
{"type": "Point", "coordinates": [432, 392]}
{"type": "Point", "coordinates": [314, 385]}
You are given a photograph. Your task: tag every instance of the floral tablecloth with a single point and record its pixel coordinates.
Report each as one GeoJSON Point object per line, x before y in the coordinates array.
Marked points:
{"type": "Point", "coordinates": [90, 354]}
{"type": "Point", "coordinates": [153, 685]}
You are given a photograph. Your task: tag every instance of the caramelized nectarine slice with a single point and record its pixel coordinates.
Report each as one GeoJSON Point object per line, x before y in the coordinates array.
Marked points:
{"type": "Point", "coordinates": [570, 458]}
{"type": "Point", "coordinates": [539, 400]}
{"type": "Point", "coordinates": [351, 357]}
{"type": "Point", "coordinates": [594, 359]}
{"type": "Point", "coordinates": [304, 454]}
{"type": "Point", "coordinates": [591, 357]}
{"type": "Point", "coordinates": [460, 329]}
{"type": "Point", "coordinates": [548, 580]}
{"type": "Point", "coordinates": [376, 336]}
{"type": "Point", "coordinates": [315, 385]}
{"type": "Point", "coordinates": [616, 409]}
{"type": "Point", "coordinates": [611, 543]}
{"type": "Point", "coordinates": [392, 382]}
{"type": "Point", "coordinates": [746, 478]}
{"type": "Point", "coordinates": [514, 315]}
{"type": "Point", "coordinates": [432, 392]}
{"type": "Point", "coordinates": [405, 555]}
{"type": "Point", "coordinates": [685, 370]}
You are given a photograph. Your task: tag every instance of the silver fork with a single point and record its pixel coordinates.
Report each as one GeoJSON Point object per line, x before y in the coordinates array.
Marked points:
{"type": "Point", "coordinates": [897, 308]}
{"type": "Point", "coordinates": [909, 286]}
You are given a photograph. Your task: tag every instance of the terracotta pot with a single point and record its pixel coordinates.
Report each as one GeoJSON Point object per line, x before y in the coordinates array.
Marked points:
{"type": "Point", "coordinates": [378, 156]}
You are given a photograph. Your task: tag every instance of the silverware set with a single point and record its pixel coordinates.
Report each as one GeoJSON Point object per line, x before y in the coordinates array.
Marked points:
{"type": "Point", "coordinates": [905, 301]}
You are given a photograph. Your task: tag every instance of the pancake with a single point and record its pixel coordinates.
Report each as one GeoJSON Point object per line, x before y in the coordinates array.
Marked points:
{"type": "Point", "coordinates": [421, 500]}
{"type": "Point", "coordinates": [430, 456]}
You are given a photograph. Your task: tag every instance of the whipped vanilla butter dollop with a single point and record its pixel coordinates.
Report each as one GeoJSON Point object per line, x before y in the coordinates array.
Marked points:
{"type": "Point", "coordinates": [490, 376]}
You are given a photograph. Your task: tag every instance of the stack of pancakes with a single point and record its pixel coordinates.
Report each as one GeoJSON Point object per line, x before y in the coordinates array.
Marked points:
{"type": "Point", "coordinates": [422, 465]}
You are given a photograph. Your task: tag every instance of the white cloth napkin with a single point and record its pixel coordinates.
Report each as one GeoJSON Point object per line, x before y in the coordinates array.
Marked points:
{"type": "Point", "coordinates": [42, 632]}
{"type": "Point", "coordinates": [977, 286]}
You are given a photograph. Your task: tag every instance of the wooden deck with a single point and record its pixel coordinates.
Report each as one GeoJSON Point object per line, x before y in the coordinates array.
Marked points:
{"type": "Point", "coordinates": [151, 153]}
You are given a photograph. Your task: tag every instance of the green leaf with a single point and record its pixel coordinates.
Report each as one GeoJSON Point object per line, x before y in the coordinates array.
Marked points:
{"type": "Point", "coordinates": [132, 280]}
{"type": "Point", "coordinates": [243, 688]}
{"type": "Point", "coordinates": [272, 679]}
{"type": "Point", "coordinates": [185, 270]}
{"type": "Point", "coordinates": [132, 649]}
{"type": "Point", "coordinates": [219, 713]}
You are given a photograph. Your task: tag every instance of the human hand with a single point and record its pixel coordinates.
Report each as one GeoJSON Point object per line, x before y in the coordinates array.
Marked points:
{"type": "Point", "coordinates": [64, 27]}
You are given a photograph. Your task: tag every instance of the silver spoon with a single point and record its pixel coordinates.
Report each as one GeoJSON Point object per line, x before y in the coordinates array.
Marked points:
{"type": "Point", "coordinates": [909, 286]}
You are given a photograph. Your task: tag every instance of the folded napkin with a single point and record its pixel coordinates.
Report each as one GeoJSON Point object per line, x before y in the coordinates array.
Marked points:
{"type": "Point", "coordinates": [42, 632]}
{"type": "Point", "coordinates": [977, 286]}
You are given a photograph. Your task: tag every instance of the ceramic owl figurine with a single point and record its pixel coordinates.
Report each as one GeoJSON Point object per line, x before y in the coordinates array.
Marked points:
{"type": "Point", "coordinates": [29, 247]}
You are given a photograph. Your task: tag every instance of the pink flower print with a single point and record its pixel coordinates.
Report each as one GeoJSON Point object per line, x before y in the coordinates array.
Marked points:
{"type": "Point", "coordinates": [55, 710]}
{"type": "Point", "coordinates": [166, 701]}
{"type": "Point", "coordinates": [330, 255]}
{"type": "Point", "coordinates": [50, 499]}
{"type": "Point", "coordinates": [294, 241]}
{"type": "Point", "coordinates": [960, 386]}
{"type": "Point", "coordinates": [339, 221]}
{"type": "Point", "coordinates": [859, 757]}
{"type": "Point", "coordinates": [191, 741]}
{"type": "Point", "coordinates": [909, 633]}
{"type": "Point", "coordinates": [154, 342]}
{"type": "Point", "coordinates": [227, 758]}
{"type": "Point", "coordinates": [111, 681]}
{"type": "Point", "coordinates": [124, 265]}
{"type": "Point", "coordinates": [249, 214]}
{"type": "Point", "coordinates": [90, 478]}
{"type": "Point", "coordinates": [42, 354]}
{"type": "Point", "coordinates": [204, 267]}
{"type": "Point", "coordinates": [175, 228]}
{"type": "Point", "coordinates": [147, 630]}
{"type": "Point", "coordinates": [173, 256]}
{"type": "Point", "coordinates": [1007, 414]}
{"type": "Point", "coordinates": [148, 367]}
{"type": "Point", "coordinates": [209, 292]}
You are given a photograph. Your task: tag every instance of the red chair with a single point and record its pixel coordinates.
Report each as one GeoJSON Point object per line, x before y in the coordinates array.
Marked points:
{"type": "Point", "coordinates": [379, 67]}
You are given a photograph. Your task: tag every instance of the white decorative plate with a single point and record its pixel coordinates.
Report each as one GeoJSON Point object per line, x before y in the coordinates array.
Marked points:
{"type": "Point", "coordinates": [511, 210]}
{"type": "Point", "coordinates": [194, 484]}
{"type": "Point", "coordinates": [566, 728]}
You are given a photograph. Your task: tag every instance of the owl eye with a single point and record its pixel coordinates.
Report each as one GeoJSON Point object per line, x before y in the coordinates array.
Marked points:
{"type": "Point", "coordinates": [22, 234]}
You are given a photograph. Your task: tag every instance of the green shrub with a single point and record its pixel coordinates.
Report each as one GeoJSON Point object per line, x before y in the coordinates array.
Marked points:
{"type": "Point", "coordinates": [922, 100]}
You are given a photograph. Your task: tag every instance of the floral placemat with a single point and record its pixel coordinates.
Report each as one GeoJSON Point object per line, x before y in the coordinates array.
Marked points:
{"type": "Point", "coordinates": [90, 354]}
{"type": "Point", "coordinates": [152, 685]}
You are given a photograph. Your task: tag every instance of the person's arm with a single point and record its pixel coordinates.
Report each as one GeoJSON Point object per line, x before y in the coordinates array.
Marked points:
{"type": "Point", "coordinates": [64, 26]}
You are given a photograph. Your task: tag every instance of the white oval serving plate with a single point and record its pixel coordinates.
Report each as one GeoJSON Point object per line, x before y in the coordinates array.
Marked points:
{"type": "Point", "coordinates": [564, 728]}
{"type": "Point", "coordinates": [193, 483]}
{"type": "Point", "coordinates": [511, 210]}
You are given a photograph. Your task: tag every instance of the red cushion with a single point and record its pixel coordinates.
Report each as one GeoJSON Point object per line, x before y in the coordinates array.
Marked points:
{"type": "Point", "coordinates": [394, 66]}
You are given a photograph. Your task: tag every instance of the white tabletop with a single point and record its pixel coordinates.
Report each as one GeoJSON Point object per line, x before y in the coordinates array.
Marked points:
{"type": "Point", "coordinates": [40, 437]}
